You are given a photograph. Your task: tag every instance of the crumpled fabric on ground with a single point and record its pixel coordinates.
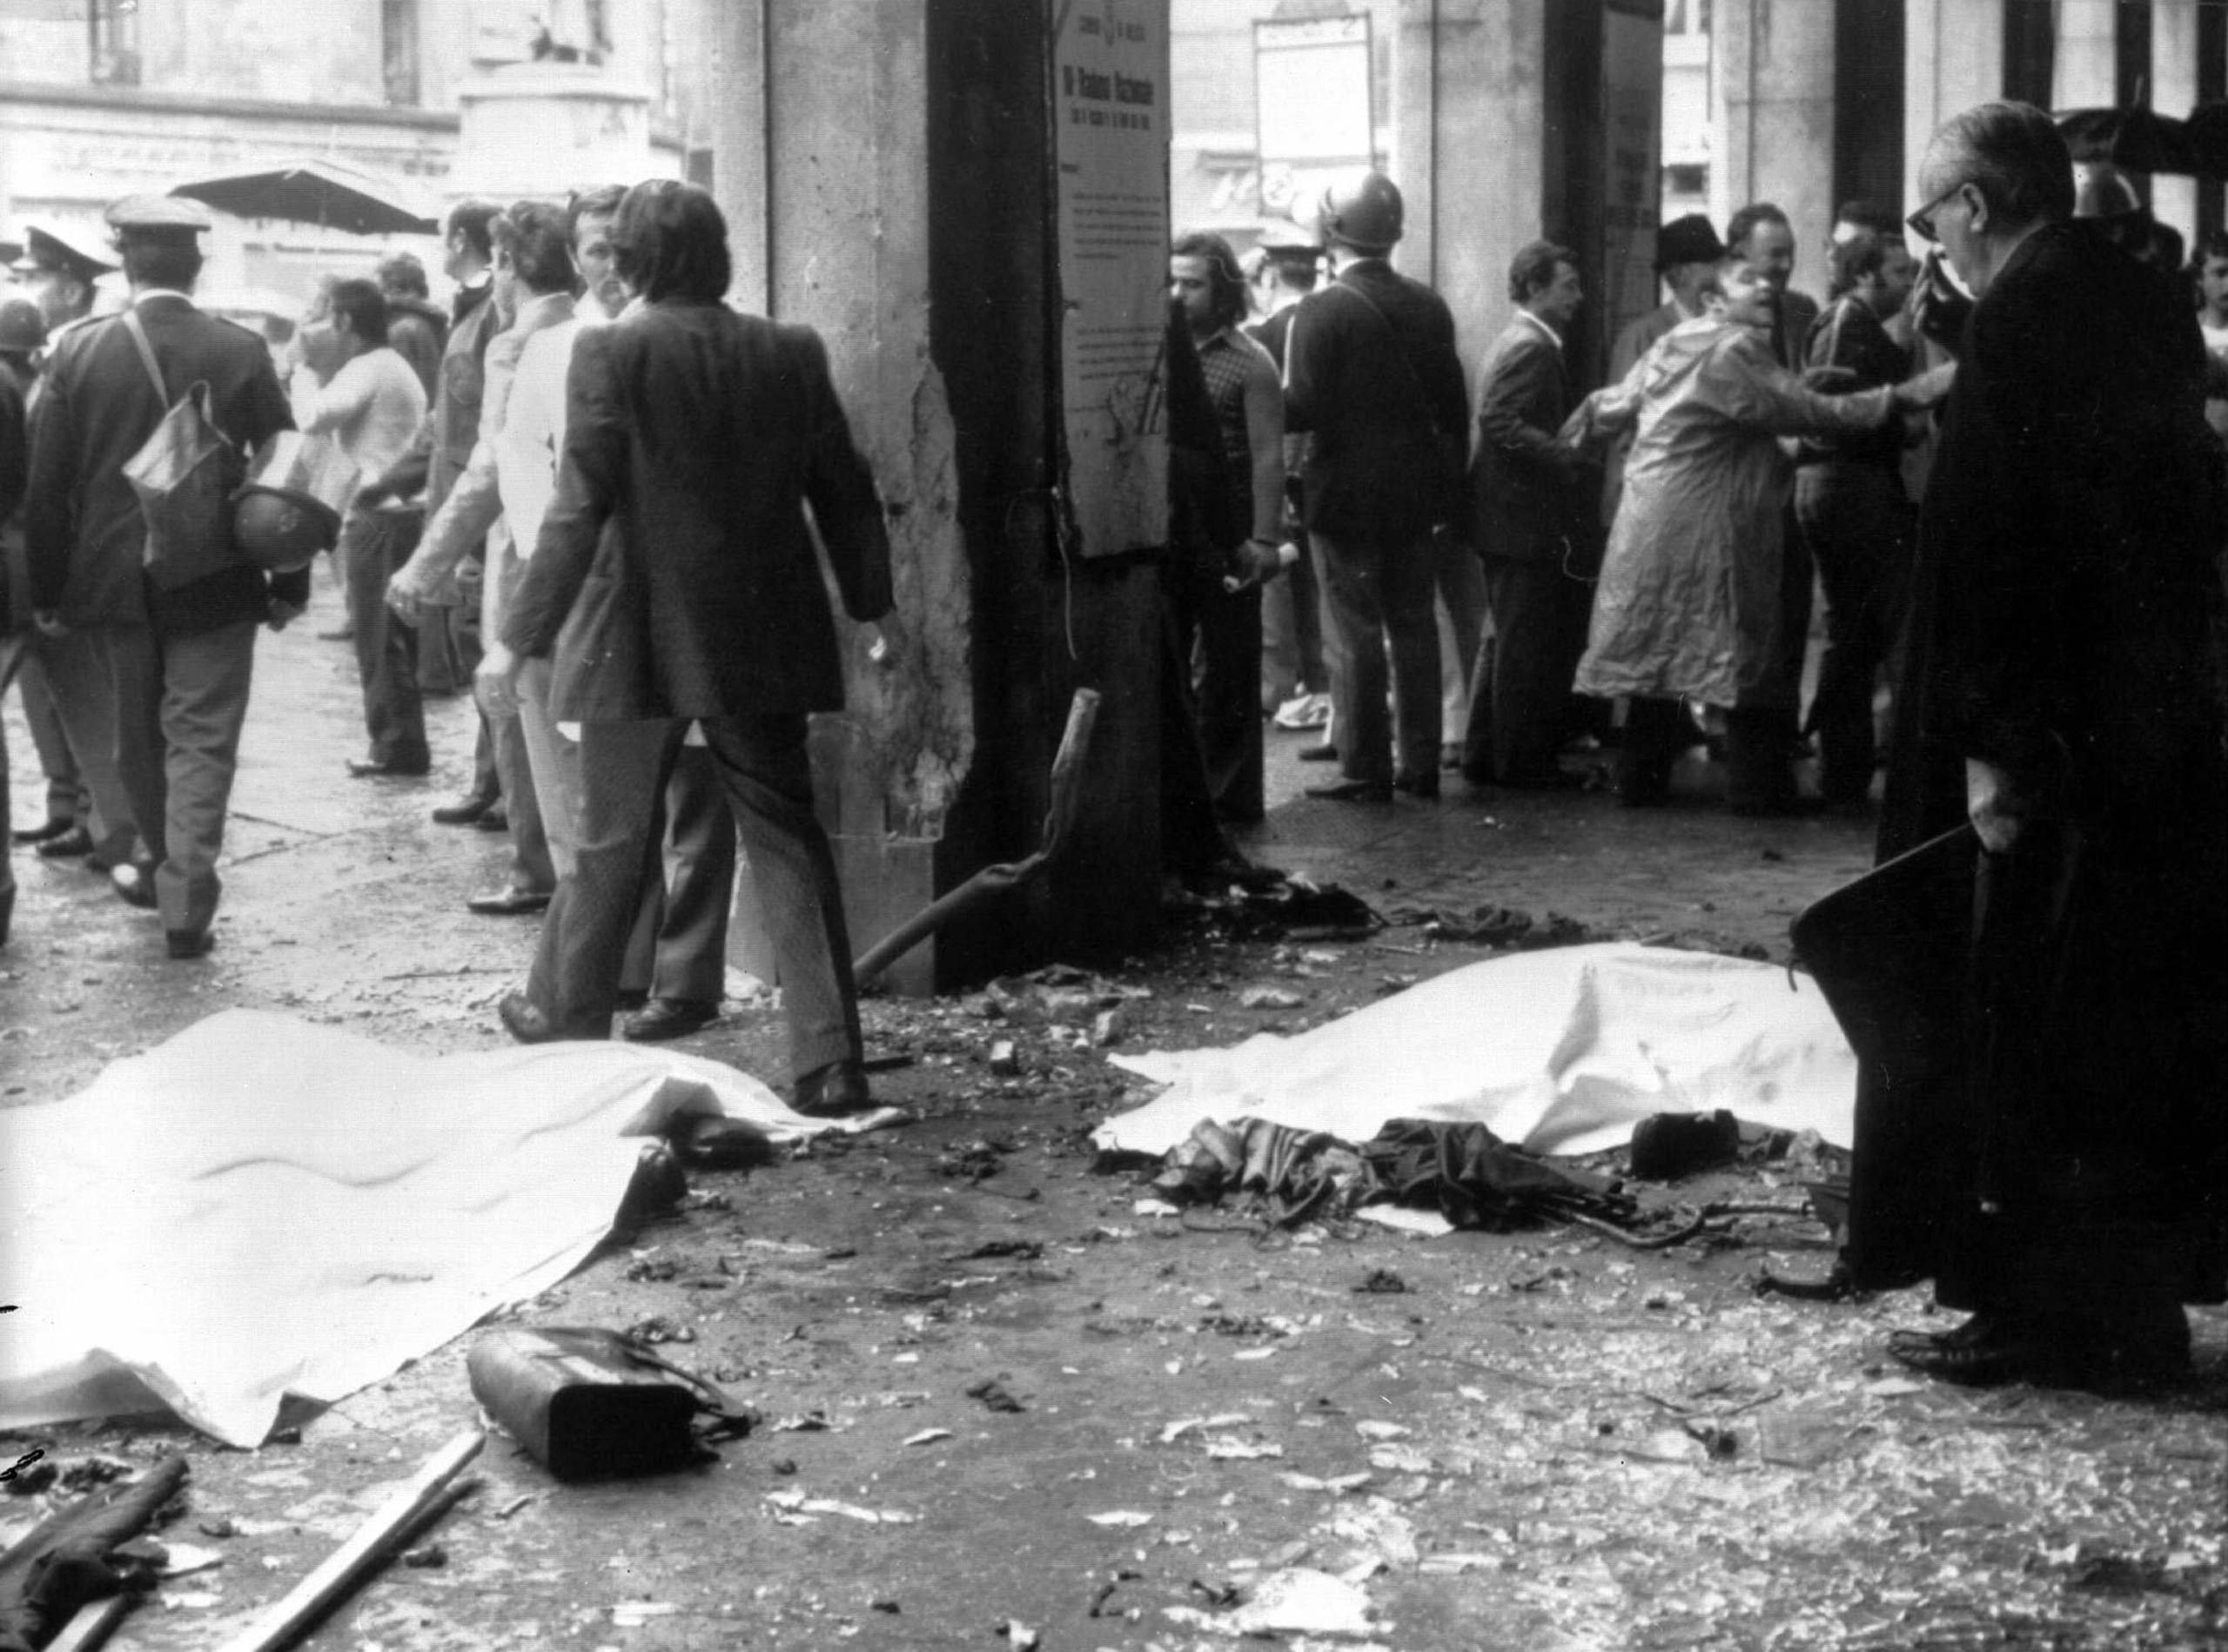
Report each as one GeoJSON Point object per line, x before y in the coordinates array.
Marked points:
{"type": "Point", "coordinates": [70, 1559]}
{"type": "Point", "coordinates": [1253, 1156]}
{"type": "Point", "coordinates": [1475, 1180]}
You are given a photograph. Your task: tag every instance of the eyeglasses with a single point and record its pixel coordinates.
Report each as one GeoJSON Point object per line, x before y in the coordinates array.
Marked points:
{"type": "Point", "coordinates": [1921, 223]}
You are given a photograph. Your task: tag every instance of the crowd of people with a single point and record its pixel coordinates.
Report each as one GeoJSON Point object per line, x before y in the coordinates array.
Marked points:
{"type": "Point", "coordinates": [2041, 1126]}
{"type": "Point", "coordinates": [589, 488]}
{"type": "Point", "coordinates": [607, 495]}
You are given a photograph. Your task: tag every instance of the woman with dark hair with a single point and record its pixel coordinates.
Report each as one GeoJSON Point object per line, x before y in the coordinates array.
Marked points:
{"type": "Point", "coordinates": [675, 581]}
{"type": "Point", "coordinates": [1215, 593]}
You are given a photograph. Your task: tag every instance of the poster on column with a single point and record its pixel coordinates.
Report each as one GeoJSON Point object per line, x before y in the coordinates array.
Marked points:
{"type": "Point", "coordinates": [1110, 108]}
{"type": "Point", "coordinates": [1632, 106]}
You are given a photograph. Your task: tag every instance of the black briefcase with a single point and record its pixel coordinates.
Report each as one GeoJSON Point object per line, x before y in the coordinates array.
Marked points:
{"type": "Point", "coordinates": [1886, 950]}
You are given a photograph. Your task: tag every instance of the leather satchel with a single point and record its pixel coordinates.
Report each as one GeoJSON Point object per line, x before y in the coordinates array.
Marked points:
{"type": "Point", "coordinates": [184, 476]}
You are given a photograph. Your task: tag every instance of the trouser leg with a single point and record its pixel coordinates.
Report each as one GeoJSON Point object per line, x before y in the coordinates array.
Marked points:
{"type": "Point", "coordinates": [1525, 694]}
{"type": "Point", "coordinates": [1857, 521]}
{"type": "Point", "coordinates": [575, 980]}
{"type": "Point", "coordinates": [205, 679]}
{"type": "Point", "coordinates": [377, 543]}
{"type": "Point", "coordinates": [1229, 641]}
{"type": "Point", "coordinates": [1408, 589]}
{"type": "Point", "coordinates": [692, 940]}
{"type": "Point", "coordinates": [1758, 771]}
{"type": "Point", "coordinates": [76, 669]}
{"type": "Point", "coordinates": [1654, 730]}
{"type": "Point", "coordinates": [532, 867]}
{"type": "Point", "coordinates": [1354, 632]}
{"type": "Point", "coordinates": [65, 797]}
{"type": "Point", "coordinates": [768, 776]}
{"type": "Point", "coordinates": [135, 671]}
{"type": "Point", "coordinates": [553, 763]}
{"type": "Point", "coordinates": [1461, 620]}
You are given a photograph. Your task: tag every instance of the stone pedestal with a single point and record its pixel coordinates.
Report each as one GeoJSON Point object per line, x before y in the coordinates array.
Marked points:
{"type": "Point", "coordinates": [543, 129]}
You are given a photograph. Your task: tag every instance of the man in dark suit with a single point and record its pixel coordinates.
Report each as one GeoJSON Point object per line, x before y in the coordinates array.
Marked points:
{"type": "Point", "coordinates": [1525, 484]}
{"type": "Point", "coordinates": [675, 580]}
{"type": "Point", "coordinates": [1760, 233]}
{"type": "Point", "coordinates": [1371, 372]}
{"type": "Point", "coordinates": [2059, 1164]}
{"type": "Point", "coordinates": [181, 656]}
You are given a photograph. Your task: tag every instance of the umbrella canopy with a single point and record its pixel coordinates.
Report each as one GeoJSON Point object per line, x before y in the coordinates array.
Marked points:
{"type": "Point", "coordinates": [2141, 140]}
{"type": "Point", "coordinates": [328, 193]}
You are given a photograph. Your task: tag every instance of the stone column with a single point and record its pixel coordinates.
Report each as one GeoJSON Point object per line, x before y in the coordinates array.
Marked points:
{"type": "Point", "coordinates": [1773, 93]}
{"type": "Point", "coordinates": [2085, 73]}
{"type": "Point", "coordinates": [542, 128]}
{"type": "Point", "coordinates": [1474, 87]}
{"type": "Point", "coordinates": [1953, 56]}
{"type": "Point", "coordinates": [2173, 91]}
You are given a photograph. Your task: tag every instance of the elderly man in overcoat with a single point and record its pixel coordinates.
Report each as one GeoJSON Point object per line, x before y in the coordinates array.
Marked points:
{"type": "Point", "coordinates": [2054, 1159]}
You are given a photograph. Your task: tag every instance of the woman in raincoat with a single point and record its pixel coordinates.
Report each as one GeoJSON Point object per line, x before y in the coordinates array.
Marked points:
{"type": "Point", "coordinates": [1688, 606]}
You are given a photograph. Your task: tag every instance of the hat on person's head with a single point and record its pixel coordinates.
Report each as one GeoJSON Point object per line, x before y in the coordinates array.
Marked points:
{"type": "Point", "coordinates": [157, 218]}
{"type": "Point", "coordinates": [45, 249]}
{"type": "Point", "coordinates": [1691, 239]}
{"type": "Point", "coordinates": [23, 328]}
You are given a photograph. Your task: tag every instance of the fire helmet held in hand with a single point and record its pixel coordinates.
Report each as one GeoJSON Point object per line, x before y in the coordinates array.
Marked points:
{"type": "Point", "coordinates": [1361, 211]}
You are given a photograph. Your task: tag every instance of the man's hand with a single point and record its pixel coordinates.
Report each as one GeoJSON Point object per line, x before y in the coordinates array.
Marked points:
{"type": "Point", "coordinates": [1999, 809]}
{"type": "Point", "coordinates": [48, 623]}
{"type": "Point", "coordinates": [887, 644]}
{"type": "Point", "coordinates": [1916, 395]}
{"type": "Point", "coordinates": [497, 681]}
{"type": "Point", "coordinates": [281, 615]}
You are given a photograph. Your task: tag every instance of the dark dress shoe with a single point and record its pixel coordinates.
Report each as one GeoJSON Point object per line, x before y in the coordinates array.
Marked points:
{"type": "Point", "coordinates": [510, 902]}
{"type": "Point", "coordinates": [55, 826]}
{"type": "Point", "coordinates": [664, 1018]}
{"type": "Point", "coordinates": [463, 812]}
{"type": "Point", "coordinates": [494, 818]}
{"type": "Point", "coordinates": [1325, 753]}
{"type": "Point", "coordinates": [365, 768]}
{"type": "Point", "coordinates": [630, 998]}
{"type": "Point", "coordinates": [135, 883]}
{"type": "Point", "coordinates": [1355, 791]}
{"type": "Point", "coordinates": [525, 1022]}
{"type": "Point", "coordinates": [75, 841]}
{"type": "Point", "coordinates": [832, 1091]}
{"type": "Point", "coordinates": [189, 943]}
{"type": "Point", "coordinates": [1423, 787]}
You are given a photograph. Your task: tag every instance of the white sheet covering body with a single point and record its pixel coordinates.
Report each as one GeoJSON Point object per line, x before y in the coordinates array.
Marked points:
{"type": "Point", "coordinates": [261, 1206]}
{"type": "Point", "coordinates": [1561, 1050]}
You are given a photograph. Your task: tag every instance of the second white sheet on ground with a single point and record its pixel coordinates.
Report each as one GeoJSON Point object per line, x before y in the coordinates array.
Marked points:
{"type": "Point", "coordinates": [1561, 1050]}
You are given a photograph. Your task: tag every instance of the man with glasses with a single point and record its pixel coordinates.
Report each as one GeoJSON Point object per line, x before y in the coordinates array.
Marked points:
{"type": "Point", "coordinates": [2050, 1146]}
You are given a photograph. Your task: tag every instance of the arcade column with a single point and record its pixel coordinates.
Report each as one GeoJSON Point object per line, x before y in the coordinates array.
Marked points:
{"type": "Point", "coordinates": [890, 176]}
{"type": "Point", "coordinates": [1772, 89]}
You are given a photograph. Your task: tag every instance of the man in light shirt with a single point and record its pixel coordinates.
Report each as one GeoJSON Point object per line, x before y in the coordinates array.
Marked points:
{"type": "Point", "coordinates": [533, 284]}
{"type": "Point", "coordinates": [355, 388]}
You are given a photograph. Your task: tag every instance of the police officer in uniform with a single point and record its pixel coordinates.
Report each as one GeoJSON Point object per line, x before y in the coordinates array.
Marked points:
{"type": "Point", "coordinates": [68, 701]}
{"type": "Point", "coordinates": [181, 657]}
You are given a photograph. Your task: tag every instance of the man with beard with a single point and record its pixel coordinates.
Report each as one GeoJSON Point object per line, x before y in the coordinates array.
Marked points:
{"type": "Point", "coordinates": [2044, 1138]}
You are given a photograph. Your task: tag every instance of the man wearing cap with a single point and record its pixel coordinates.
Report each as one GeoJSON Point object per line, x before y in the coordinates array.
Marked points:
{"type": "Point", "coordinates": [1370, 371]}
{"type": "Point", "coordinates": [181, 657]}
{"type": "Point", "coordinates": [68, 699]}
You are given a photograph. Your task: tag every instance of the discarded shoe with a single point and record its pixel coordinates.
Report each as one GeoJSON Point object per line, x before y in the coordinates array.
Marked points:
{"type": "Point", "coordinates": [663, 1018]}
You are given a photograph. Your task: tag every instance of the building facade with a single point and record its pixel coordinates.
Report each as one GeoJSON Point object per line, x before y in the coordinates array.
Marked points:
{"type": "Point", "coordinates": [104, 97]}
